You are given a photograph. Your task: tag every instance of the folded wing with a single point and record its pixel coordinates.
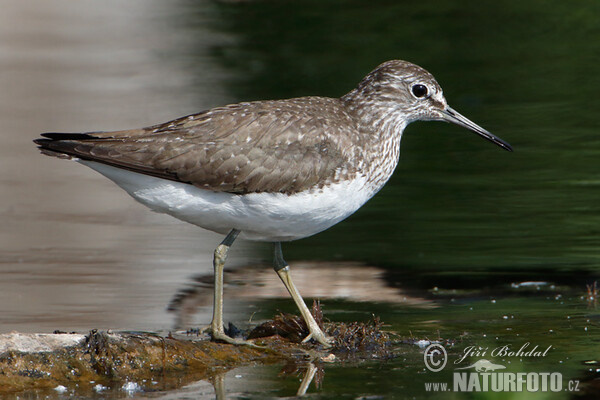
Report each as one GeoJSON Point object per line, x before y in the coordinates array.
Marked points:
{"type": "Point", "coordinates": [243, 148]}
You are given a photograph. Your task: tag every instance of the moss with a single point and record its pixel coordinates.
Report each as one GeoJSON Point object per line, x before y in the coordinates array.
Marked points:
{"type": "Point", "coordinates": [113, 358]}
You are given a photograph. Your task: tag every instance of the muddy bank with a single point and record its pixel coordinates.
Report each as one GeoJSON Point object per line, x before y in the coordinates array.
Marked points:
{"type": "Point", "coordinates": [102, 361]}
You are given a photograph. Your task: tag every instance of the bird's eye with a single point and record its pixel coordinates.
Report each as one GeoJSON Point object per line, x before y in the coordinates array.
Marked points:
{"type": "Point", "coordinates": [419, 90]}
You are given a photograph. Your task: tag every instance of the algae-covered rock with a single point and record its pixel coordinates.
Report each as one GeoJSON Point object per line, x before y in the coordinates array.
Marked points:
{"type": "Point", "coordinates": [83, 363]}
{"type": "Point", "coordinates": [33, 361]}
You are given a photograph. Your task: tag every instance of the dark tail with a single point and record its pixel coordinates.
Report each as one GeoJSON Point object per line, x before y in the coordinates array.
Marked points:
{"type": "Point", "coordinates": [62, 145]}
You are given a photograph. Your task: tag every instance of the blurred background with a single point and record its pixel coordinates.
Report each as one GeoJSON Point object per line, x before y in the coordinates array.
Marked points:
{"type": "Point", "coordinates": [460, 224]}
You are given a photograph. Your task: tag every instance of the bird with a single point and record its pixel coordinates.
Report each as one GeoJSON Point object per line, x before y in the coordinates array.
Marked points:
{"type": "Point", "coordinates": [270, 170]}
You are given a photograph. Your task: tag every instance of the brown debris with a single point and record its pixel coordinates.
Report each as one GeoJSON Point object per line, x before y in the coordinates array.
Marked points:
{"type": "Point", "coordinates": [105, 357]}
{"type": "Point", "coordinates": [350, 339]}
{"type": "Point", "coordinates": [288, 326]}
{"type": "Point", "coordinates": [592, 295]}
{"type": "Point", "coordinates": [360, 338]}
{"type": "Point", "coordinates": [157, 362]}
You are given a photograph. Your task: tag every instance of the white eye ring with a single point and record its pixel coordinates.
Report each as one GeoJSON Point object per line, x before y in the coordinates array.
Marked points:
{"type": "Point", "coordinates": [419, 90]}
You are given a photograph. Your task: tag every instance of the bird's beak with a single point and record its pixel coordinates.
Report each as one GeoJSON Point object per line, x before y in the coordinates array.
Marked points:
{"type": "Point", "coordinates": [449, 115]}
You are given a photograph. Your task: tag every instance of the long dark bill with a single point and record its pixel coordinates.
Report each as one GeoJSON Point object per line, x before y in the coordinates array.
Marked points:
{"type": "Point", "coordinates": [449, 115]}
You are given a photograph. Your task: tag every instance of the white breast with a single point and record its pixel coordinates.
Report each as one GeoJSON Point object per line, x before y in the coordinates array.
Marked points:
{"type": "Point", "coordinates": [259, 216]}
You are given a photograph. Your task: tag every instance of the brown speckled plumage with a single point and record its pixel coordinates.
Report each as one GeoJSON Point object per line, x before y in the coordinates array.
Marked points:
{"type": "Point", "coordinates": [265, 146]}
{"type": "Point", "coordinates": [284, 146]}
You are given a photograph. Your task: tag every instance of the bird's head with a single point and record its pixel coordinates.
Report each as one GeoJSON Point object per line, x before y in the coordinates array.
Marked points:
{"type": "Point", "coordinates": [409, 92]}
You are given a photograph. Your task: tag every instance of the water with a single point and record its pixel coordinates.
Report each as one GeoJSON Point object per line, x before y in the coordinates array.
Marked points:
{"type": "Point", "coordinates": [459, 215]}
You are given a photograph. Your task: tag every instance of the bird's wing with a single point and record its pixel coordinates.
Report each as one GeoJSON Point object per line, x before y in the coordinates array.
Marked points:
{"type": "Point", "coordinates": [278, 146]}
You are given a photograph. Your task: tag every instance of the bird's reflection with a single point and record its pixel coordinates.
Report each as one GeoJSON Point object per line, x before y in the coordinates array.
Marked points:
{"type": "Point", "coordinates": [308, 371]}
{"type": "Point", "coordinates": [309, 375]}
{"type": "Point", "coordinates": [330, 280]}
{"type": "Point", "coordinates": [218, 383]}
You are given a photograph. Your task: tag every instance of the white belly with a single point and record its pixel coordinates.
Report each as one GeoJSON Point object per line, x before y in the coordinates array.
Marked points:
{"type": "Point", "coordinates": [259, 216]}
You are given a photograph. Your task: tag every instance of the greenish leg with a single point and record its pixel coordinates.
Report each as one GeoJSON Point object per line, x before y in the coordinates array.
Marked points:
{"type": "Point", "coordinates": [283, 270]}
{"type": "Point", "coordinates": [216, 326]}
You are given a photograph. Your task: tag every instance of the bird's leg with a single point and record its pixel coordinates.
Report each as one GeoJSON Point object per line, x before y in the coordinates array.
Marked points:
{"type": "Point", "coordinates": [283, 270]}
{"type": "Point", "coordinates": [216, 326]}
{"type": "Point", "coordinates": [218, 383]}
{"type": "Point", "coordinates": [311, 370]}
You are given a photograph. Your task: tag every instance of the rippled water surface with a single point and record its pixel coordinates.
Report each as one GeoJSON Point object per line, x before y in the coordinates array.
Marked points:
{"type": "Point", "coordinates": [440, 253]}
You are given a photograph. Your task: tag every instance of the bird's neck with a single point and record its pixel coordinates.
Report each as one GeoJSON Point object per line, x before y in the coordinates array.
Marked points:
{"type": "Point", "coordinates": [382, 125]}
{"type": "Point", "coordinates": [380, 118]}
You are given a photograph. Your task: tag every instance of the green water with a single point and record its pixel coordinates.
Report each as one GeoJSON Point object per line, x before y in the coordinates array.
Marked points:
{"type": "Point", "coordinates": [527, 72]}
{"type": "Point", "coordinates": [543, 317]}
{"type": "Point", "coordinates": [459, 213]}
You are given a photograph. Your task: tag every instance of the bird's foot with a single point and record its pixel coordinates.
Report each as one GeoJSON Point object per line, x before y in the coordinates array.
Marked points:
{"type": "Point", "coordinates": [221, 336]}
{"type": "Point", "coordinates": [319, 336]}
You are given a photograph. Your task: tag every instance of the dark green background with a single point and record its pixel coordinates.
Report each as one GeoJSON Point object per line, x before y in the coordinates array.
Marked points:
{"type": "Point", "coordinates": [527, 71]}
{"type": "Point", "coordinates": [459, 213]}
